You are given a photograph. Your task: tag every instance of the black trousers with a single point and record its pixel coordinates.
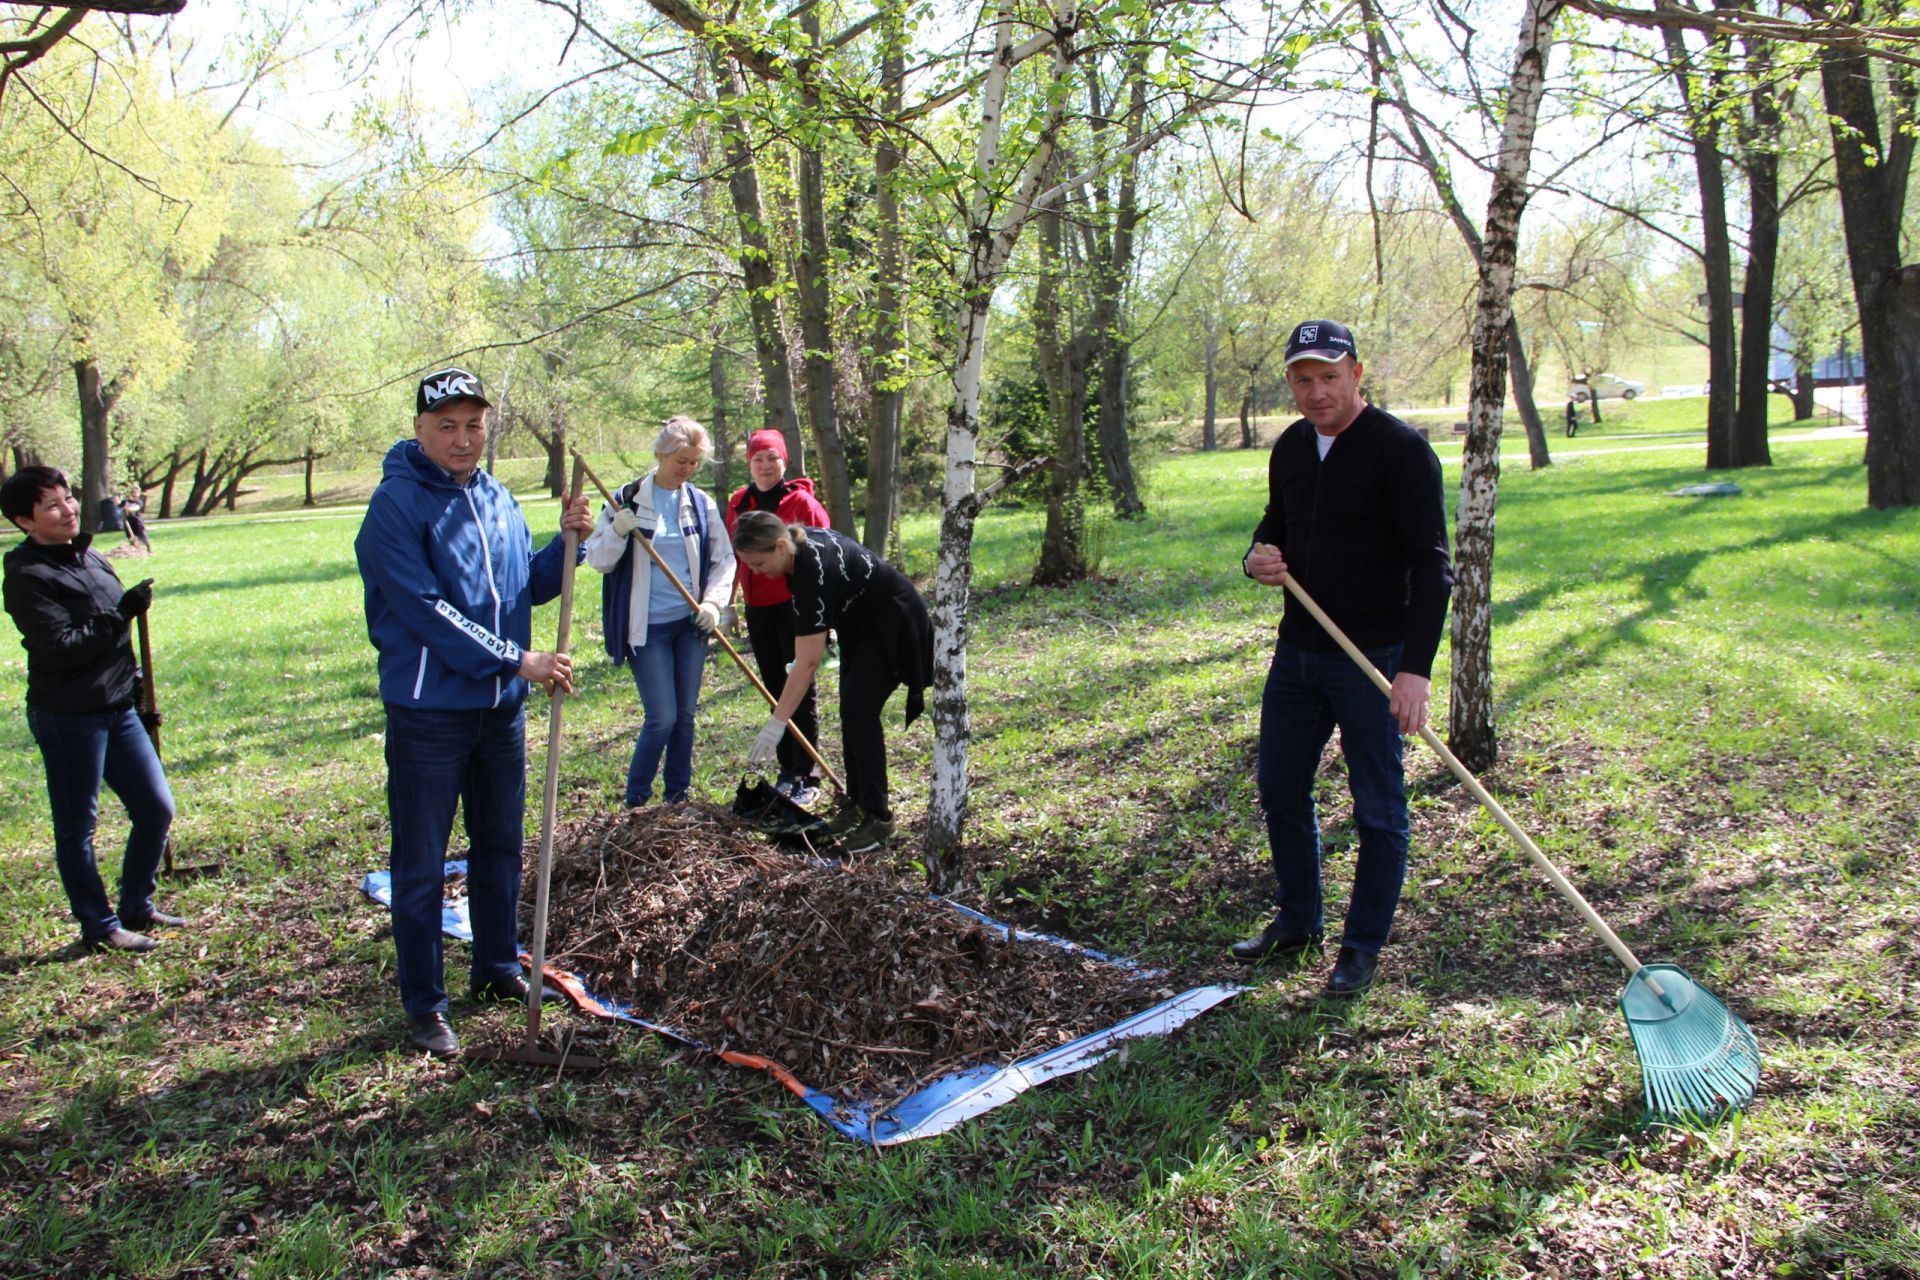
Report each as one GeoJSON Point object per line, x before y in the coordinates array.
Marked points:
{"type": "Point", "coordinates": [770, 632]}
{"type": "Point", "coordinates": [867, 680]}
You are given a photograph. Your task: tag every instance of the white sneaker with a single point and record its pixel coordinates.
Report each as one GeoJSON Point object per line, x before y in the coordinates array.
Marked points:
{"type": "Point", "coordinates": [804, 793]}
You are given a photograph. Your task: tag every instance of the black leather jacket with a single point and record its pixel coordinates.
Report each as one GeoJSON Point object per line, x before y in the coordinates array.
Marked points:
{"type": "Point", "coordinates": [63, 599]}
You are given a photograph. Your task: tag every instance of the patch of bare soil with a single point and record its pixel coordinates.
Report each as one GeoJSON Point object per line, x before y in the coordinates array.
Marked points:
{"type": "Point", "coordinates": [850, 977]}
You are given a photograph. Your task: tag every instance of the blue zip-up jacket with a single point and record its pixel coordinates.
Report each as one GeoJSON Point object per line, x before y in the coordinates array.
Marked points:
{"type": "Point", "coordinates": [451, 581]}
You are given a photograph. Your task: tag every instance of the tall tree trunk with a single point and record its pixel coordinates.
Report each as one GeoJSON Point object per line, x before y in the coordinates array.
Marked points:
{"type": "Point", "coordinates": [1871, 168]}
{"type": "Point", "coordinates": [990, 244]}
{"type": "Point", "coordinates": [96, 448]}
{"type": "Point", "coordinates": [1209, 433]}
{"type": "Point", "coordinates": [1803, 401]}
{"type": "Point", "coordinates": [1703, 104]}
{"type": "Point", "coordinates": [1763, 252]}
{"type": "Point", "coordinates": [810, 266]}
{"type": "Point", "coordinates": [1470, 715]}
{"type": "Point", "coordinates": [307, 473]}
{"type": "Point", "coordinates": [174, 464]}
{"type": "Point", "coordinates": [756, 271]}
{"type": "Point", "coordinates": [1063, 366]}
{"type": "Point", "coordinates": [1246, 412]}
{"type": "Point", "coordinates": [1388, 66]}
{"type": "Point", "coordinates": [1111, 273]}
{"type": "Point", "coordinates": [889, 397]}
{"type": "Point", "coordinates": [717, 416]}
{"type": "Point", "coordinates": [555, 440]}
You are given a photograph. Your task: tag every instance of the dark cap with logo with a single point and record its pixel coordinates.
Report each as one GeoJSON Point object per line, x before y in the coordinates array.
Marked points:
{"type": "Point", "coordinates": [1327, 340]}
{"type": "Point", "coordinates": [446, 386]}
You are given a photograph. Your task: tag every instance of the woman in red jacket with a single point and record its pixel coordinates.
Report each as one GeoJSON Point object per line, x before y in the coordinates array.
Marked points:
{"type": "Point", "coordinates": [769, 611]}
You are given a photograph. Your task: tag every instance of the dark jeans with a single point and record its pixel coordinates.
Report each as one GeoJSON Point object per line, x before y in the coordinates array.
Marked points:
{"type": "Point", "coordinates": [667, 670]}
{"type": "Point", "coordinates": [866, 682]}
{"type": "Point", "coordinates": [81, 752]}
{"type": "Point", "coordinates": [435, 759]}
{"type": "Point", "coordinates": [1309, 692]}
{"type": "Point", "coordinates": [770, 631]}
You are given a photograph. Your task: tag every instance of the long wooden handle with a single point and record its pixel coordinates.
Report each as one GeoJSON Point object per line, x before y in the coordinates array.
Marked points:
{"type": "Point", "coordinates": [1621, 951]}
{"type": "Point", "coordinates": [149, 696]}
{"type": "Point", "coordinates": [550, 798]}
{"type": "Point", "coordinates": [732, 652]}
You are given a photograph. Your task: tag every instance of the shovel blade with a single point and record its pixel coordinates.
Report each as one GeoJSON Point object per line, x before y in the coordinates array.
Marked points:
{"type": "Point", "coordinates": [1698, 1060]}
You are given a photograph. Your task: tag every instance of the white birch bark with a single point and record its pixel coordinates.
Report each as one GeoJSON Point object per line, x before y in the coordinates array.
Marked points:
{"type": "Point", "coordinates": [1470, 713]}
{"type": "Point", "coordinates": [991, 237]}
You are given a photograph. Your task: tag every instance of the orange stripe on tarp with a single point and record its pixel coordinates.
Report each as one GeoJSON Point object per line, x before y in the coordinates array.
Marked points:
{"type": "Point", "coordinates": [586, 1002]}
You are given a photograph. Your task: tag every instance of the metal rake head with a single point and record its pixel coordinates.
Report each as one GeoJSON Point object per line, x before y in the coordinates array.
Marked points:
{"type": "Point", "coordinates": [1697, 1058]}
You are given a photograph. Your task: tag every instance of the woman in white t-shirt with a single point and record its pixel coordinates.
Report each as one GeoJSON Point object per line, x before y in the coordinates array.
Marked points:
{"type": "Point", "coordinates": [648, 623]}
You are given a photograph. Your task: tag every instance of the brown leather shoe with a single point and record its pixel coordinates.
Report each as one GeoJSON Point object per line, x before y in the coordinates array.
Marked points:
{"type": "Point", "coordinates": [157, 917]}
{"type": "Point", "coordinates": [122, 940]}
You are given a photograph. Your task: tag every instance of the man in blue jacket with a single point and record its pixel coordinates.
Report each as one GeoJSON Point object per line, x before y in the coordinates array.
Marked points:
{"type": "Point", "coordinates": [451, 580]}
{"type": "Point", "coordinates": [1356, 516]}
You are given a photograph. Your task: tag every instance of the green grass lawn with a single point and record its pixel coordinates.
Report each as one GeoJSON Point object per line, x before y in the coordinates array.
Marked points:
{"type": "Point", "coordinates": [1707, 711]}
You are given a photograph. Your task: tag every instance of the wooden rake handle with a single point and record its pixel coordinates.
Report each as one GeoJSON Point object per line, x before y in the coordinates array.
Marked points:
{"type": "Point", "coordinates": [1554, 877]}
{"type": "Point", "coordinates": [550, 797]}
{"type": "Point", "coordinates": [732, 652]}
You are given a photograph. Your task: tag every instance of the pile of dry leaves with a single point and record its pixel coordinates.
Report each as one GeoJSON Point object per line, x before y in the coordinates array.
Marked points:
{"type": "Point", "coordinates": [859, 984]}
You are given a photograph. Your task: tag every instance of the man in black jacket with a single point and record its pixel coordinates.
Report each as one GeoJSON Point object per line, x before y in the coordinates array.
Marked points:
{"type": "Point", "coordinates": [1355, 515]}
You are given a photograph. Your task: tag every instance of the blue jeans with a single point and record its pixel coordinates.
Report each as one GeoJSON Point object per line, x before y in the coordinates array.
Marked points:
{"type": "Point", "coordinates": [81, 752]}
{"type": "Point", "coordinates": [435, 759]}
{"type": "Point", "coordinates": [667, 670]}
{"type": "Point", "coordinates": [1309, 692]}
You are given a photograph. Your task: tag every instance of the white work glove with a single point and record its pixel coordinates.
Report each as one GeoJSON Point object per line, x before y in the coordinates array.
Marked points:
{"type": "Point", "coordinates": [730, 619]}
{"type": "Point", "coordinates": [707, 617]}
{"type": "Point", "coordinates": [762, 751]}
{"type": "Point", "coordinates": [625, 522]}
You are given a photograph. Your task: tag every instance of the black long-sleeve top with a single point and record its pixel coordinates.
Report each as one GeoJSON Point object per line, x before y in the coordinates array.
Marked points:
{"type": "Point", "coordinates": [838, 583]}
{"type": "Point", "coordinates": [1364, 531]}
{"type": "Point", "coordinates": [64, 600]}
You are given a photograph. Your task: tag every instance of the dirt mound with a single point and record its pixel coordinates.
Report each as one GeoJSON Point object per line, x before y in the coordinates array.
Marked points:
{"type": "Point", "coordinates": [856, 982]}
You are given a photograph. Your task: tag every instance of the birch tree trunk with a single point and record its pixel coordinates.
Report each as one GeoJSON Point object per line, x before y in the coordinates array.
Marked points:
{"type": "Point", "coordinates": [1470, 715]}
{"type": "Point", "coordinates": [1429, 161]}
{"type": "Point", "coordinates": [990, 243]}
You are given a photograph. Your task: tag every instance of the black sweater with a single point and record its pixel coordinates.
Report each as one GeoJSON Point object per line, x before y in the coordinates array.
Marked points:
{"type": "Point", "coordinates": [1365, 533]}
{"type": "Point", "coordinates": [63, 599]}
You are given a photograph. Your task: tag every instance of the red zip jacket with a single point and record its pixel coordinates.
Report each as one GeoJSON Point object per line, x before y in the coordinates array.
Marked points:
{"type": "Point", "coordinates": [793, 502]}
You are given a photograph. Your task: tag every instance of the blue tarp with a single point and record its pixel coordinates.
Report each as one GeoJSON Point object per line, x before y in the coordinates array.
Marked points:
{"type": "Point", "coordinates": [934, 1108]}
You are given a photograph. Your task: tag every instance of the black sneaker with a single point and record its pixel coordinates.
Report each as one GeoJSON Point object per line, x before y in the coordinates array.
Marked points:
{"type": "Point", "coordinates": [510, 991]}
{"type": "Point", "coordinates": [845, 819]}
{"type": "Point", "coordinates": [430, 1033]}
{"type": "Point", "coordinates": [1275, 942]}
{"type": "Point", "coordinates": [868, 836]}
{"type": "Point", "coordinates": [1352, 973]}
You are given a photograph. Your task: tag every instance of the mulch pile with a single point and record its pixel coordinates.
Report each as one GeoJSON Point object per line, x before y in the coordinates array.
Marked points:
{"type": "Point", "coordinates": [853, 980]}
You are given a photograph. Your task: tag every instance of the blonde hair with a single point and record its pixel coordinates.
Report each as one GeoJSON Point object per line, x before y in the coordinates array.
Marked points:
{"type": "Point", "coordinates": [681, 432]}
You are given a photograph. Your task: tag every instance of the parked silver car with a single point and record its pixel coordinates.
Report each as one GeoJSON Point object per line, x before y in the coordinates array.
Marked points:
{"type": "Point", "coordinates": [1606, 386]}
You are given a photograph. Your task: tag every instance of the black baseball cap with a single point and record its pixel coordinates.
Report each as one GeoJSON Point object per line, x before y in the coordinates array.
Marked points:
{"type": "Point", "coordinates": [448, 385]}
{"type": "Point", "coordinates": [1327, 340]}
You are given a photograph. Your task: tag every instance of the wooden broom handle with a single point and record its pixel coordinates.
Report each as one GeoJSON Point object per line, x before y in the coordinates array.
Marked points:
{"type": "Point", "coordinates": [1620, 949]}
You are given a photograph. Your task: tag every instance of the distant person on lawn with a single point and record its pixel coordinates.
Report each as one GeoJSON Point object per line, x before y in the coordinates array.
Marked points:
{"type": "Point", "coordinates": [1355, 514]}
{"type": "Point", "coordinates": [647, 622]}
{"type": "Point", "coordinates": [886, 641]}
{"type": "Point", "coordinates": [769, 611]}
{"type": "Point", "coordinates": [76, 624]}
{"type": "Point", "coordinates": [451, 580]}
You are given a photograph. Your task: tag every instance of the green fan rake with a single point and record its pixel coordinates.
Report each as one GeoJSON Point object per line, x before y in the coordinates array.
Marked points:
{"type": "Point", "coordinates": [1698, 1060]}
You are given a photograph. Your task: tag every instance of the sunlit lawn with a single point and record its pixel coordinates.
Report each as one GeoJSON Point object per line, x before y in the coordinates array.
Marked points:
{"type": "Point", "coordinates": [1707, 709]}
